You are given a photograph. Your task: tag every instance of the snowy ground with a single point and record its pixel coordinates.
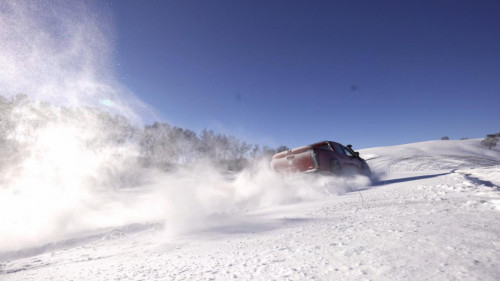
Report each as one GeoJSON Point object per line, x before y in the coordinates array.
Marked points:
{"type": "Point", "coordinates": [433, 214]}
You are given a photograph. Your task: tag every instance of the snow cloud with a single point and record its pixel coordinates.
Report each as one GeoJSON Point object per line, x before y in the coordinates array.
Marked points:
{"type": "Point", "coordinates": [193, 196]}
{"type": "Point", "coordinates": [70, 162]}
{"type": "Point", "coordinates": [61, 52]}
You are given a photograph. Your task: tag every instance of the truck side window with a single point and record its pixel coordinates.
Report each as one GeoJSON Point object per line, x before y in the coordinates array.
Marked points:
{"type": "Point", "coordinates": [338, 148]}
{"type": "Point", "coordinates": [324, 147]}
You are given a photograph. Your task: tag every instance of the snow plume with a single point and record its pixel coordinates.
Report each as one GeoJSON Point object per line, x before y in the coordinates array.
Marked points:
{"type": "Point", "coordinates": [70, 158]}
{"type": "Point", "coordinates": [58, 166]}
{"type": "Point", "coordinates": [61, 51]}
{"type": "Point", "coordinates": [64, 171]}
{"type": "Point", "coordinates": [200, 197]}
{"type": "Point", "coordinates": [63, 146]}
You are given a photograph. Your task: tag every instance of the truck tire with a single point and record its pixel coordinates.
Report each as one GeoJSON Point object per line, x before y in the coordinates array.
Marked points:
{"type": "Point", "coordinates": [335, 167]}
{"type": "Point", "coordinates": [366, 170]}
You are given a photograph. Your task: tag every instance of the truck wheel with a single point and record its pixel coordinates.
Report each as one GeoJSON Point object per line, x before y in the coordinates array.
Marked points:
{"type": "Point", "coordinates": [366, 170]}
{"type": "Point", "coordinates": [335, 167]}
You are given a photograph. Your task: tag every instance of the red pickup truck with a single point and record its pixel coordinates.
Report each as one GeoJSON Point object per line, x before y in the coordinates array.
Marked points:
{"type": "Point", "coordinates": [325, 156]}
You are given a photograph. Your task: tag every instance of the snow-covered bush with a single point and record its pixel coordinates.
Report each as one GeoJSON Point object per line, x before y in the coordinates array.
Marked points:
{"type": "Point", "coordinates": [491, 140]}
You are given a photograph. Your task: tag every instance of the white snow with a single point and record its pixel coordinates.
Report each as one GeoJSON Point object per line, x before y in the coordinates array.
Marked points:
{"type": "Point", "coordinates": [432, 214]}
{"type": "Point", "coordinates": [487, 174]}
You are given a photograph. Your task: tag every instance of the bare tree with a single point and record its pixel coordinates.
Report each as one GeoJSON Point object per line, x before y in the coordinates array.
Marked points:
{"type": "Point", "coordinates": [282, 148]}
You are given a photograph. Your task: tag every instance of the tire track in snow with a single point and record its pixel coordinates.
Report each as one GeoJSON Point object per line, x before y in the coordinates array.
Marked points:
{"type": "Point", "coordinates": [428, 163]}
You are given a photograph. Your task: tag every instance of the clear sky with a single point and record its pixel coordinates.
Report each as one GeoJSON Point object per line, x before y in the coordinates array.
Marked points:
{"type": "Point", "coordinates": [370, 73]}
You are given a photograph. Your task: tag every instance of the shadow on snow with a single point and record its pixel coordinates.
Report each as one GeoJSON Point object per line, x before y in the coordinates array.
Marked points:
{"type": "Point", "coordinates": [385, 182]}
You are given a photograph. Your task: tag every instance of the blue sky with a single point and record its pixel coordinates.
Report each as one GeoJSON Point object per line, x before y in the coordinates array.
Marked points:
{"type": "Point", "coordinates": [370, 73]}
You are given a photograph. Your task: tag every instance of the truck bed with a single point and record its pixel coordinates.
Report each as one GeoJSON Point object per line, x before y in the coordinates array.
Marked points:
{"type": "Point", "coordinates": [298, 159]}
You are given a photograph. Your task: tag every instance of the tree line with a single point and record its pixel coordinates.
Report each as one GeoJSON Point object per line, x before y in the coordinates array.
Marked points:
{"type": "Point", "coordinates": [167, 146]}
{"type": "Point", "coordinates": [159, 145]}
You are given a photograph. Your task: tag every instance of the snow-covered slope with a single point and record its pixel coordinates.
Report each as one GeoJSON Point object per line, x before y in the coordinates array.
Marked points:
{"type": "Point", "coordinates": [433, 215]}
{"type": "Point", "coordinates": [431, 156]}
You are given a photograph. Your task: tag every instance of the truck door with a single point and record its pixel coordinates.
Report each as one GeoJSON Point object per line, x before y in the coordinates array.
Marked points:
{"type": "Point", "coordinates": [324, 154]}
{"type": "Point", "coordinates": [348, 161]}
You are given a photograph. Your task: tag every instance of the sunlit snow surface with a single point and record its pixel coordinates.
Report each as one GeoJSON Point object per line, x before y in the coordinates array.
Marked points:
{"type": "Point", "coordinates": [432, 215]}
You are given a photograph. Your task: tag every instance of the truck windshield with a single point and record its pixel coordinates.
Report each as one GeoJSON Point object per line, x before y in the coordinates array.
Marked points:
{"type": "Point", "coordinates": [348, 152]}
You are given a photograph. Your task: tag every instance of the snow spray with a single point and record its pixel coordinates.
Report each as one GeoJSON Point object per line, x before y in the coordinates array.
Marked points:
{"type": "Point", "coordinates": [56, 74]}
{"type": "Point", "coordinates": [67, 168]}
